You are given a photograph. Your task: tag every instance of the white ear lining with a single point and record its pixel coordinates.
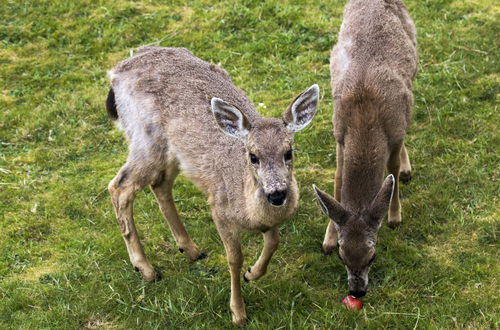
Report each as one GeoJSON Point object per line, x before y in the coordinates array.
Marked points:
{"type": "Point", "coordinates": [241, 131]}
{"type": "Point", "coordinates": [213, 103]}
{"type": "Point", "coordinates": [321, 204]}
{"type": "Point", "coordinates": [293, 126]}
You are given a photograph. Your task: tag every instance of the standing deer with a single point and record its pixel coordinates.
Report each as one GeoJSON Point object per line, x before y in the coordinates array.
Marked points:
{"type": "Point", "coordinates": [372, 68]}
{"type": "Point", "coordinates": [181, 113]}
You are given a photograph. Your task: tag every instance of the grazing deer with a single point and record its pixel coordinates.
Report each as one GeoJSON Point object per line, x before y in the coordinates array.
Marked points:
{"type": "Point", "coordinates": [180, 113]}
{"type": "Point", "coordinates": [372, 68]}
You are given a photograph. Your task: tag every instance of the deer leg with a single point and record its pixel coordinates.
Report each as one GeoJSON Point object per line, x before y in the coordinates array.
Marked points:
{"type": "Point", "coordinates": [393, 167]}
{"type": "Point", "coordinates": [234, 255]}
{"type": "Point", "coordinates": [405, 169]}
{"type": "Point", "coordinates": [162, 189]}
{"type": "Point", "coordinates": [271, 242]}
{"type": "Point", "coordinates": [330, 241]}
{"type": "Point", "coordinates": [123, 189]}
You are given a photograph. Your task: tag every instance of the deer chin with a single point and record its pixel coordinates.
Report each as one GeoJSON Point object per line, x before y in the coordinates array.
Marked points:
{"type": "Point", "coordinates": [263, 212]}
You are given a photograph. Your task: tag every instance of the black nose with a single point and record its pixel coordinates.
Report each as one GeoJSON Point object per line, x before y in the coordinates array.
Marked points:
{"type": "Point", "coordinates": [357, 294]}
{"type": "Point", "coordinates": [277, 198]}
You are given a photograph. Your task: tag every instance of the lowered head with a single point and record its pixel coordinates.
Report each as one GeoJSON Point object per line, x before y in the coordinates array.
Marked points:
{"type": "Point", "coordinates": [357, 232]}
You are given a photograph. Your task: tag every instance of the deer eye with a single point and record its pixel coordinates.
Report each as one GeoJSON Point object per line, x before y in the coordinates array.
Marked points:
{"type": "Point", "coordinates": [254, 159]}
{"type": "Point", "coordinates": [288, 155]}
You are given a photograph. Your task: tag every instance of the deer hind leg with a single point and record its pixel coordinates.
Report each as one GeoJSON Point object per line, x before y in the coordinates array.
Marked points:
{"type": "Point", "coordinates": [405, 168]}
{"type": "Point", "coordinates": [271, 242]}
{"type": "Point", "coordinates": [393, 166]}
{"type": "Point", "coordinates": [123, 189]}
{"type": "Point", "coordinates": [162, 188]}
{"type": "Point", "coordinates": [330, 241]}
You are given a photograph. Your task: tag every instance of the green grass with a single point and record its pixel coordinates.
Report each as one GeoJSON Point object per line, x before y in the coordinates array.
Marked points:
{"type": "Point", "coordinates": [63, 263]}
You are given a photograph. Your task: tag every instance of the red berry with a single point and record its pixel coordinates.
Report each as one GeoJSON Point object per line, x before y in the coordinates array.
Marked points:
{"type": "Point", "coordinates": [352, 303]}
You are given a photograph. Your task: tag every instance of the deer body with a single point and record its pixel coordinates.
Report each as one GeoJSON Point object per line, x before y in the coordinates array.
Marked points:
{"type": "Point", "coordinates": [372, 68]}
{"type": "Point", "coordinates": [180, 113]}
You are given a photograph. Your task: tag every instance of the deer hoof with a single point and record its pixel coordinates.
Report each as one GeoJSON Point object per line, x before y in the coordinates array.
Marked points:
{"type": "Point", "coordinates": [148, 275]}
{"type": "Point", "coordinates": [405, 177]}
{"type": "Point", "coordinates": [327, 249]}
{"type": "Point", "coordinates": [158, 277]}
{"type": "Point", "coordinates": [394, 224]}
{"type": "Point", "coordinates": [239, 320]}
{"type": "Point", "coordinates": [202, 255]}
{"type": "Point", "coordinates": [245, 278]}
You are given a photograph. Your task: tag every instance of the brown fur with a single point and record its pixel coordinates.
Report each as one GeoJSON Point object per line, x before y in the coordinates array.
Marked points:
{"type": "Point", "coordinates": [174, 109]}
{"type": "Point", "coordinates": [372, 68]}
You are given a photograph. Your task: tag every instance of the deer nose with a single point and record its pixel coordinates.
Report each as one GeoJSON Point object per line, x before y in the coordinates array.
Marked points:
{"type": "Point", "coordinates": [357, 294]}
{"type": "Point", "coordinates": [277, 198]}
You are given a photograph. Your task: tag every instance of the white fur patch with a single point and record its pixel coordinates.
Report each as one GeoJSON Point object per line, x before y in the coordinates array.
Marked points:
{"type": "Point", "coordinates": [111, 75]}
{"type": "Point", "coordinates": [343, 59]}
{"type": "Point", "coordinates": [131, 115]}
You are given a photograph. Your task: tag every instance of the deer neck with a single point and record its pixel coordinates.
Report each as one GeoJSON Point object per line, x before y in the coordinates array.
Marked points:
{"type": "Point", "coordinates": [362, 175]}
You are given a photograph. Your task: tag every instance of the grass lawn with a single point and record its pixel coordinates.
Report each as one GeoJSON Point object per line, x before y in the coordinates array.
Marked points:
{"type": "Point", "coordinates": [63, 263]}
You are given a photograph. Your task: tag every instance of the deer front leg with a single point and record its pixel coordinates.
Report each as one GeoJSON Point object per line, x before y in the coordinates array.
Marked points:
{"type": "Point", "coordinates": [271, 242]}
{"type": "Point", "coordinates": [123, 189]}
{"type": "Point", "coordinates": [235, 260]}
{"type": "Point", "coordinates": [330, 241]}
{"type": "Point", "coordinates": [393, 165]}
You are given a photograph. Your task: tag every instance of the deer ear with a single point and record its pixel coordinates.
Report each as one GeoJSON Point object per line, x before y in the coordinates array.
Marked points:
{"type": "Point", "coordinates": [230, 119]}
{"type": "Point", "coordinates": [381, 202]}
{"type": "Point", "coordinates": [302, 110]}
{"type": "Point", "coordinates": [331, 207]}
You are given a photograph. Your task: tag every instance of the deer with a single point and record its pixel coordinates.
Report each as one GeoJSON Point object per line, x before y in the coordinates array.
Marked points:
{"type": "Point", "coordinates": [182, 114]}
{"type": "Point", "coordinates": [372, 68]}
